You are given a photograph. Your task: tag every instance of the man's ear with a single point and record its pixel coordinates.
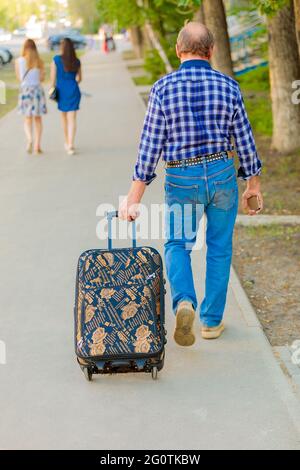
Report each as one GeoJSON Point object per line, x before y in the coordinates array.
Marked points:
{"type": "Point", "coordinates": [211, 51]}
{"type": "Point", "coordinates": [178, 52]}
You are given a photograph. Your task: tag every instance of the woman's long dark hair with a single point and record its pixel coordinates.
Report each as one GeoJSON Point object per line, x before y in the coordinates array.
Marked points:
{"type": "Point", "coordinates": [68, 55]}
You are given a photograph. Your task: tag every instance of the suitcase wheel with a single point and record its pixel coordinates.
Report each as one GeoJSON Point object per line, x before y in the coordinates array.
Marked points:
{"type": "Point", "coordinates": [88, 374]}
{"type": "Point", "coordinates": [154, 373]}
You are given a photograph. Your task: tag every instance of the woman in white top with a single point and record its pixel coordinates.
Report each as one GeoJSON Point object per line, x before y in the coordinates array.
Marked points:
{"type": "Point", "coordinates": [32, 102]}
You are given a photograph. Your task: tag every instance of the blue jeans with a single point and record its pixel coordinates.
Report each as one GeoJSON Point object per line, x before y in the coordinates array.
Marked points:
{"type": "Point", "coordinates": [191, 191]}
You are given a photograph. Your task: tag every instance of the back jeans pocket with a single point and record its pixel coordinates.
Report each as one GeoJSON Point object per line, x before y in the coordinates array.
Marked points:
{"type": "Point", "coordinates": [181, 204]}
{"type": "Point", "coordinates": [180, 194]}
{"type": "Point", "coordinates": [226, 193]}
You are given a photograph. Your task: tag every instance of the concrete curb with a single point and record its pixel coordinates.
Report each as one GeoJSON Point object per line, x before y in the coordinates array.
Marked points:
{"type": "Point", "coordinates": [288, 387]}
{"type": "Point", "coordinates": [285, 355]}
{"type": "Point", "coordinates": [136, 88]}
{"type": "Point", "coordinates": [247, 220]}
{"type": "Point", "coordinates": [143, 89]}
{"type": "Point", "coordinates": [243, 301]}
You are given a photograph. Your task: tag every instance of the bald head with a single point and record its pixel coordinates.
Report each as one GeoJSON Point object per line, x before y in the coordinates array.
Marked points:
{"type": "Point", "coordinates": [195, 39]}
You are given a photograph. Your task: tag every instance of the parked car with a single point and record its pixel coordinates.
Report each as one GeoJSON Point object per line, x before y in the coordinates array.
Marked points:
{"type": "Point", "coordinates": [78, 40]}
{"type": "Point", "coordinates": [5, 56]}
{"type": "Point", "coordinates": [20, 32]}
{"type": "Point", "coordinates": [4, 35]}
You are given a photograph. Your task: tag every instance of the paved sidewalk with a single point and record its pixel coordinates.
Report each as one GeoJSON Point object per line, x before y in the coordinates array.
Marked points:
{"type": "Point", "coordinates": [228, 394]}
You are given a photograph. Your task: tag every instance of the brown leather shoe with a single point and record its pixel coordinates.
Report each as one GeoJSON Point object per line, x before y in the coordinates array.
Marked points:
{"type": "Point", "coordinates": [213, 332]}
{"type": "Point", "coordinates": [185, 315]}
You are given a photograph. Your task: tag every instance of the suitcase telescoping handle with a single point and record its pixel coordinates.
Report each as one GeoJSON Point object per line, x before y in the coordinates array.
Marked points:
{"type": "Point", "coordinates": [110, 216]}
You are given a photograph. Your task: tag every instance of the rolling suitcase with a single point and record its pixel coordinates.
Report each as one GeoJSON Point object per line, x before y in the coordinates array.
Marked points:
{"type": "Point", "coordinates": [119, 309]}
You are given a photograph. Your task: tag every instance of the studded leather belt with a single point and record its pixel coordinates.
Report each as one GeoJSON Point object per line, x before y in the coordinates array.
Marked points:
{"type": "Point", "coordinates": [229, 154]}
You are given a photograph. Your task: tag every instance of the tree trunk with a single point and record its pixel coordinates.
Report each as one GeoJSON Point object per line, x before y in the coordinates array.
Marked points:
{"type": "Point", "coordinates": [137, 40]}
{"type": "Point", "coordinates": [157, 45]}
{"type": "Point", "coordinates": [146, 39]}
{"type": "Point", "coordinates": [284, 70]}
{"type": "Point", "coordinates": [297, 18]}
{"type": "Point", "coordinates": [215, 20]}
{"type": "Point", "coordinates": [199, 15]}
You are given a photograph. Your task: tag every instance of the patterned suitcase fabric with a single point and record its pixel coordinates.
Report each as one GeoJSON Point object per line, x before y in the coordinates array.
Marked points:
{"type": "Point", "coordinates": [119, 309]}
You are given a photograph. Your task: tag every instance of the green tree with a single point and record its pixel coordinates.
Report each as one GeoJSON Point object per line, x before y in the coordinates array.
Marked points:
{"type": "Point", "coordinates": [129, 15]}
{"type": "Point", "coordinates": [4, 18]}
{"type": "Point", "coordinates": [154, 22]}
{"type": "Point", "coordinates": [16, 13]}
{"type": "Point", "coordinates": [215, 19]}
{"type": "Point", "coordinates": [297, 19]}
{"type": "Point", "coordinates": [270, 7]}
{"type": "Point", "coordinates": [163, 18]}
{"type": "Point", "coordinates": [284, 70]}
{"type": "Point", "coordinates": [87, 11]}
{"type": "Point", "coordinates": [213, 14]}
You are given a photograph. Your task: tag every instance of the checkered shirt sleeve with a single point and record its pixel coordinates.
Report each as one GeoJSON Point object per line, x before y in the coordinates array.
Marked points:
{"type": "Point", "coordinates": [152, 140]}
{"type": "Point", "coordinates": [250, 164]}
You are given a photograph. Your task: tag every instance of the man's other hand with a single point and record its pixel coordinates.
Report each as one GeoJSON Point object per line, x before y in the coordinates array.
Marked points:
{"type": "Point", "coordinates": [253, 189]}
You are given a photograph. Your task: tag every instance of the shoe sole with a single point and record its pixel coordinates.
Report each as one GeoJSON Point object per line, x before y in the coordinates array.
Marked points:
{"type": "Point", "coordinates": [213, 334]}
{"type": "Point", "coordinates": [183, 334]}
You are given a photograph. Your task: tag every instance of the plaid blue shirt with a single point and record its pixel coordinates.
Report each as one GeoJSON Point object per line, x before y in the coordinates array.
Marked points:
{"type": "Point", "coordinates": [195, 111]}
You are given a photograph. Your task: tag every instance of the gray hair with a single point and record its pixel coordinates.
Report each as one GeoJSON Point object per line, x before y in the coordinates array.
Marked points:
{"type": "Point", "coordinates": [195, 38]}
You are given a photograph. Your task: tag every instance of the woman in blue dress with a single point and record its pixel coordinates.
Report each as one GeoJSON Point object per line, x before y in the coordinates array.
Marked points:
{"type": "Point", "coordinates": [65, 76]}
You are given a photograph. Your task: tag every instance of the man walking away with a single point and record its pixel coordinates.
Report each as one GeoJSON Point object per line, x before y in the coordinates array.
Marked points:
{"type": "Point", "coordinates": [192, 117]}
